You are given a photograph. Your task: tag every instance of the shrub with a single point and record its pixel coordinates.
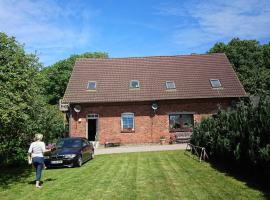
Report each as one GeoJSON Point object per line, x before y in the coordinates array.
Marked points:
{"type": "Point", "coordinates": [241, 134]}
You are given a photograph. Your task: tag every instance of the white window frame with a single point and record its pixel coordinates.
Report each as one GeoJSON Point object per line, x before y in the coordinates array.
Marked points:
{"type": "Point", "coordinates": [168, 88]}
{"type": "Point", "coordinates": [213, 86]}
{"type": "Point", "coordinates": [92, 89]}
{"type": "Point", "coordinates": [127, 113]}
{"type": "Point", "coordinates": [130, 84]}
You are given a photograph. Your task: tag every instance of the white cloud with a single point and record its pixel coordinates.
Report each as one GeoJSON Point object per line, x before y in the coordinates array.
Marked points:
{"type": "Point", "coordinates": [242, 18]}
{"type": "Point", "coordinates": [212, 21]}
{"type": "Point", "coordinates": [191, 38]}
{"type": "Point", "coordinates": [47, 26]}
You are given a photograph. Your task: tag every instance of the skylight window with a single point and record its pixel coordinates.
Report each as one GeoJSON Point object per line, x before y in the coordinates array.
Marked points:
{"type": "Point", "coordinates": [170, 85]}
{"type": "Point", "coordinates": [215, 83]}
{"type": "Point", "coordinates": [134, 84]}
{"type": "Point", "coordinates": [92, 85]}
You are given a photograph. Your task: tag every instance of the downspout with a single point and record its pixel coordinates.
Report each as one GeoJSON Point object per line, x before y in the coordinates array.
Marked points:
{"type": "Point", "coordinates": [70, 120]}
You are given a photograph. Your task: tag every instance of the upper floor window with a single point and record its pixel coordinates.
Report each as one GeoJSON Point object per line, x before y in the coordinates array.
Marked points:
{"type": "Point", "coordinates": [170, 85]}
{"type": "Point", "coordinates": [127, 121]}
{"type": "Point", "coordinates": [215, 83]}
{"type": "Point", "coordinates": [134, 84]}
{"type": "Point", "coordinates": [181, 122]}
{"type": "Point", "coordinates": [92, 85]}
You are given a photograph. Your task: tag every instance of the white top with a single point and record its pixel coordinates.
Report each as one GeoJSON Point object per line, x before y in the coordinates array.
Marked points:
{"type": "Point", "coordinates": [37, 149]}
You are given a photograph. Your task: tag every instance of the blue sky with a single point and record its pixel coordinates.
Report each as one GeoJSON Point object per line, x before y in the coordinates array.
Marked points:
{"type": "Point", "coordinates": [123, 28]}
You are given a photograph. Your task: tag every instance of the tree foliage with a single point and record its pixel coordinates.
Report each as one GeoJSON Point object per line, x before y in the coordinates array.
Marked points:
{"type": "Point", "coordinates": [251, 61]}
{"type": "Point", "coordinates": [19, 96]}
{"type": "Point", "coordinates": [56, 76]}
{"type": "Point", "coordinates": [23, 111]}
{"type": "Point", "coordinates": [26, 89]}
{"type": "Point", "coordinates": [241, 134]}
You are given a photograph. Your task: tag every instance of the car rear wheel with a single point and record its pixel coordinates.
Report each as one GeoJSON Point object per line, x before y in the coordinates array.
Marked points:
{"type": "Point", "coordinates": [79, 162]}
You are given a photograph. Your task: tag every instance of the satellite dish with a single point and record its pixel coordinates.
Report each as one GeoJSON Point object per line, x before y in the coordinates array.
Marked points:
{"type": "Point", "coordinates": [77, 108]}
{"type": "Point", "coordinates": [155, 106]}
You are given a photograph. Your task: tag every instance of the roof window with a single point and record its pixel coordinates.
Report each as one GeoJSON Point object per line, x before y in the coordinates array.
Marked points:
{"type": "Point", "coordinates": [92, 85]}
{"type": "Point", "coordinates": [170, 85]}
{"type": "Point", "coordinates": [215, 83]}
{"type": "Point", "coordinates": [134, 84]}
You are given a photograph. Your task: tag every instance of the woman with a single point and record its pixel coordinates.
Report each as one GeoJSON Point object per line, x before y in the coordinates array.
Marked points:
{"type": "Point", "coordinates": [36, 151]}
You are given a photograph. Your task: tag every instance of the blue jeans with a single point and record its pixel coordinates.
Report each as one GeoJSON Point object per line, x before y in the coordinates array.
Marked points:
{"type": "Point", "coordinates": [38, 163]}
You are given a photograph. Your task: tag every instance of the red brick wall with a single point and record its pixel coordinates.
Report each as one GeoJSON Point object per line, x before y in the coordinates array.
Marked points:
{"type": "Point", "coordinates": [148, 127]}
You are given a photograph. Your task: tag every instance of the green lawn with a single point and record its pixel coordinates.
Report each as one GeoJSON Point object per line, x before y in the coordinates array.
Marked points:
{"type": "Point", "coordinates": [150, 175]}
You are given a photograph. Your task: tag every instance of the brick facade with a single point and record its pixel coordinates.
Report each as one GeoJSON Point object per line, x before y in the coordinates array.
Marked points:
{"type": "Point", "coordinates": [148, 126]}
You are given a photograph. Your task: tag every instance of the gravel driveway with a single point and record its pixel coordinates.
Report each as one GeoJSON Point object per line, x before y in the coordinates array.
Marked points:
{"type": "Point", "coordinates": [139, 148]}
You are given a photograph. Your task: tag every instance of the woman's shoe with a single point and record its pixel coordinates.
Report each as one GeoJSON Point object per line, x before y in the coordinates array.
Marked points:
{"type": "Point", "coordinates": [37, 184]}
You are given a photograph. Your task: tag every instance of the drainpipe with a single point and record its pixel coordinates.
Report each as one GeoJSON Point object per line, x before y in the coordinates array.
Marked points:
{"type": "Point", "coordinates": [152, 115]}
{"type": "Point", "coordinates": [69, 122]}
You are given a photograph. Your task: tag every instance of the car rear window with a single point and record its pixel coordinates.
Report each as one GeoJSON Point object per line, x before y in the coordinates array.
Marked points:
{"type": "Point", "coordinates": [69, 143]}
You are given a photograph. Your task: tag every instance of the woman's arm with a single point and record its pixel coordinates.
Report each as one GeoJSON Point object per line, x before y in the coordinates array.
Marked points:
{"type": "Point", "coordinates": [44, 150]}
{"type": "Point", "coordinates": [29, 158]}
{"type": "Point", "coordinates": [30, 148]}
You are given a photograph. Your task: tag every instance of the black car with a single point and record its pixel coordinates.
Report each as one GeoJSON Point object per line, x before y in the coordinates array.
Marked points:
{"type": "Point", "coordinates": [70, 152]}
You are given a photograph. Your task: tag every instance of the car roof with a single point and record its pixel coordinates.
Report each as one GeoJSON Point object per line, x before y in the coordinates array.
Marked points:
{"type": "Point", "coordinates": [71, 138]}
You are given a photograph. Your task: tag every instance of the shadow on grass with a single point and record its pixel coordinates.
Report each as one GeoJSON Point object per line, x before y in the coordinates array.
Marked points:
{"type": "Point", "coordinates": [10, 175]}
{"type": "Point", "coordinates": [41, 182]}
{"type": "Point", "coordinates": [251, 178]}
{"type": "Point", "coordinates": [13, 174]}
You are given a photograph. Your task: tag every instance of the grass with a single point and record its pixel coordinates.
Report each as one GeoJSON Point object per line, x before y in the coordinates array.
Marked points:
{"type": "Point", "coordinates": [149, 175]}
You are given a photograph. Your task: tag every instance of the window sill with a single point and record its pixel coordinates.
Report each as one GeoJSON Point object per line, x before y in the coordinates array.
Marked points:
{"type": "Point", "coordinates": [127, 131]}
{"type": "Point", "coordinates": [181, 130]}
{"type": "Point", "coordinates": [171, 90]}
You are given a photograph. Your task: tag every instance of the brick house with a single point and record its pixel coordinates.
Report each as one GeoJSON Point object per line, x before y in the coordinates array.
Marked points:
{"type": "Point", "coordinates": [138, 100]}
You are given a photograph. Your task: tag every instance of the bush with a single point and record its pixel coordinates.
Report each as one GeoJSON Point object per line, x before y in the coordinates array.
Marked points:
{"type": "Point", "coordinates": [241, 134]}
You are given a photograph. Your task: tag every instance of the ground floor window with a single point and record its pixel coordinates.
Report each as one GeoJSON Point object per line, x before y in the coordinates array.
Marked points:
{"type": "Point", "coordinates": [127, 121]}
{"type": "Point", "coordinates": [181, 122]}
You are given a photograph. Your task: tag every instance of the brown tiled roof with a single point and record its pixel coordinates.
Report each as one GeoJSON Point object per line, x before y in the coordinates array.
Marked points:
{"type": "Point", "coordinates": [191, 74]}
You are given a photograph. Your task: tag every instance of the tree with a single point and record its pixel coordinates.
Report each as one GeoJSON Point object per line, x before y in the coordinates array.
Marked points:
{"type": "Point", "coordinates": [23, 109]}
{"type": "Point", "coordinates": [19, 99]}
{"type": "Point", "coordinates": [25, 90]}
{"type": "Point", "coordinates": [266, 55]}
{"type": "Point", "coordinates": [56, 76]}
{"type": "Point", "coordinates": [251, 61]}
